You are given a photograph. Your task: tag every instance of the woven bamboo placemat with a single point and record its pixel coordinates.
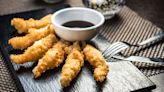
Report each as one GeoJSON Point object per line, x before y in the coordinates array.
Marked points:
{"type": "Point", "coordinates": [130, 27]}
{"type": "Point", "coordinates": [7, 83]}
{"type": "Point", "coordinates": [126, 26]}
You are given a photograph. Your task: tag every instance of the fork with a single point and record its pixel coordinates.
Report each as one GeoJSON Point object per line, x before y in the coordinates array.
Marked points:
{"type": "Point", "coordinates": [159, 61]}
{"type": "Point", "coordinates": [102, 44]}
{"type": "Point", "coordinates": [117, 47]}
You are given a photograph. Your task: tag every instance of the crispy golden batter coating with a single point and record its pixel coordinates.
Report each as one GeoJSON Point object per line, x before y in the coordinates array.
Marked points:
{"type": "Point", "coordinates": [22, 25]}
{"type": "Point", "coordinates": [53, 58]}
{"type": "Point", "coordinates": [36, 51]}
{"type": "Point", "coordinates": [72, 66]}
{"type": "Point", "coordinates": [95, 58]}
{"type": "Point", "coordinates": [27, 40]}
{"type": "Point", "coordinates": [70, 48]}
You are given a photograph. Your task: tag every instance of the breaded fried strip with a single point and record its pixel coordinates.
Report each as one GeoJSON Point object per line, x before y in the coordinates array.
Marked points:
{"type": "Point", "coordinates": [22, 25]}
{"type": "Point", "coordinates": [70, 48]}
{"type": "Point", "coordinates": [36, 51]}
{"type": "Point", "coordinates": [27, 40]}
{"type": "Point", "coordinates": [72, 66]}
{"type": "Point", "coordinates": [53, 58]}
{"type": "Point", "coordinates": [95, 58]}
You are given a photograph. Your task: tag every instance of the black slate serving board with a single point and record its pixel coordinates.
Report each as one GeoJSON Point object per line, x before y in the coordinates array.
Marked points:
{"type": "Point", "coordinates": [123, 76]}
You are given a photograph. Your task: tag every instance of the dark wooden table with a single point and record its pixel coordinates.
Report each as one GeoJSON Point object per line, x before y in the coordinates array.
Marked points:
{"type": "Point", "coordinates": [149, 9]}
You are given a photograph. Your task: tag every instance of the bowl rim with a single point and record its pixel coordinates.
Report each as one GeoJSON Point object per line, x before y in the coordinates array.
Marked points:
{"type": "Point", "coordinates": [77, 29]}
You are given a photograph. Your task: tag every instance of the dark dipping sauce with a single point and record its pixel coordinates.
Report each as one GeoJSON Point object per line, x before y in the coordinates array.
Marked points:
{"type": "Point", "coordinates": [78, 24]}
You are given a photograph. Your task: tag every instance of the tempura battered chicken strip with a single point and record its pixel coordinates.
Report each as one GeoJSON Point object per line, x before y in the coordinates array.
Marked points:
{"type": "Point", "coordinates": [95, 58]}
{"type": "Point", "coordinates": [53, 58]}
{"type": "Point", "coordinates": [36, 51]}
{"type": "Point", "coordinates": [22, 25]}
{"type": "Point", "coordinates": [72, 66]}
{"type": "Point", "coordinates": [27, 40]}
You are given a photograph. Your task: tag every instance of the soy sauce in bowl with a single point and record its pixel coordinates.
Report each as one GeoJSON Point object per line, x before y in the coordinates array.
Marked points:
{"type": "Point", "coordinates": [78, 24]}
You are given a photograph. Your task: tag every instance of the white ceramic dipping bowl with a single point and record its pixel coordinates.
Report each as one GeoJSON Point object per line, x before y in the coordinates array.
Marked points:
{"type": "Point", "coordinates": [76, 14]}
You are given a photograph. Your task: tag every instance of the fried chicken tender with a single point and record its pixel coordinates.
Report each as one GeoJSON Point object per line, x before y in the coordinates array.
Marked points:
{"type": "Point", "coordinates": [22, 25]}
{"type": "Point", "coordinates": [95, 58]}
{"type": "Point", "coordinates": [27, 40]}
{"type": "Point", "coordinates": [53, 58]}
{"type": "Point", "coordinates": [36, 51]}
{"type": "Point", "coordinates": [72, 66]}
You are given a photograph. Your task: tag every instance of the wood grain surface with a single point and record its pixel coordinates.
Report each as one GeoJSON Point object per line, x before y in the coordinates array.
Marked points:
{"type": "Point", "coordinates": [123, 77]}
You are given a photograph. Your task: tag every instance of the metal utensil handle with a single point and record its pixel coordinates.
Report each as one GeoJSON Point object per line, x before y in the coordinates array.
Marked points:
{"type": "Point", "coordinates": [138, 59]}
{"type": "Point", "coordinates": [156, 38]}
